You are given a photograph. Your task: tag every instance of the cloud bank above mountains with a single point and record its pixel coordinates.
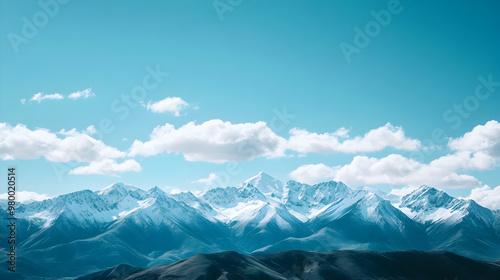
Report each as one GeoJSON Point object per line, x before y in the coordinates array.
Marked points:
{"type": "Point", "coordinates": [218, 141]}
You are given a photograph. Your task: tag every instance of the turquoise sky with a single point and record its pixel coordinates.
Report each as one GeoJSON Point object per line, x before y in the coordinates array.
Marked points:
{"type": "Point", "coordinates": [241, 64]}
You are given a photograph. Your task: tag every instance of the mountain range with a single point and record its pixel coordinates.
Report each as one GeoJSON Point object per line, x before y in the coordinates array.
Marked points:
{"type": "Point", "coordinates": [89, 231]}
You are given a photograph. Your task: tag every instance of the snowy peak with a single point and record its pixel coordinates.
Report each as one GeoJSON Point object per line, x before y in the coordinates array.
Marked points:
{"type": "Point", "coordinates": [427, 197]}
{"type": "Point", "coordinates": [119, 192]}
{"type": "Point", "coordinates": [377, 208]}
{"type": "Point", "coordinates": [195, 202]}
{"type": "Point", "coordinates": [81, 198]}
{"type": "Point", "coordinates": [221, 196]}
{"type": "Point", "coordinates": [266, 184]}
{"type": "Point", "coordinates": [157, 198]}
{"type": "Point", "coordinates": [293, 185]}
{"type": "Point", "coordinates": [429, 205]}
{"type": "Point", "coordinates": [156, 192]}
{"type": "Point", "coordinates": [119, 189]}
{"type": "Point", "coordinates": [304, 195]}
{"type": "Point", "coordinates": [185, 197]}
{"type": "Point", "coordinates": [328, 192]}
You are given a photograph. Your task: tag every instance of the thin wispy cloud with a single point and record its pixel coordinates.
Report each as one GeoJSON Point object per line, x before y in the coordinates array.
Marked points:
{"type": "Point", "coordinates": [207, 181]}
{"type": "Point", "coordinates": [39, 97]}
{"type": "Point", "coordinates": [86, 93]}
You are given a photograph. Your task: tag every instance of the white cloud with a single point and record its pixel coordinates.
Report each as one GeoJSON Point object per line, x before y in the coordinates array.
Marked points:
{"type": "Point", "coordinates": [170, 104]}
{"type": "Point", "coordinates": [91, 129]}
{"type": "Point", "coordinates": [486, 196]}
{"type": "Point", "coordinates": [483, 143]}
{"type": "Point", "coordinates": [176, 191]}
{"type": "Point", "coordinates": [26, 197]}
{"type": "Point", "coordinates": [403, 191]}
{"type": "Point", "coordinates": [107, 167]}
{"type": "Point", "coordinates": [41, 96]}
{"type": "Point", "coordinates": [20, 142]}
{"type": "Point", "coordinates": [478, 149]}
{"type": "Point", "coordinates": [213, 141]}
{"type": "Point", "coordinates": [377, 139]}
{"type": "Point", "coordinates": [71, 132]}
{"type": "Point", "coordinates": [312, 173]}
{"type": "Point", "coordinates": [23, 101]}
{"type": "Point", "coordinates": [207, 181]}
{"type": "Point", "coordinates": [398, 170]}
{"type": "Point", "coordinates": [86, 93]}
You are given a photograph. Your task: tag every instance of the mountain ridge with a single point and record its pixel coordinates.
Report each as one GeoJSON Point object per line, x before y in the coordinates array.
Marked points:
{"type": "Point", "coordinates": [125, 224]}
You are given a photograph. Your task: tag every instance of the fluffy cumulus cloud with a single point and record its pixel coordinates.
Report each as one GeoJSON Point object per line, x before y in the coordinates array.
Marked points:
{"type": "Point", "coordinates": [213, 141]}
{"type": "Point", "coordinates": [339, 141]}
{"type": "Point", "coordinates": [207, 181]}
{"type": "Point", "coordinates": [486, 196]}
{"type": "Point", "coordinates": [399, 170]}
{"type": "Point", "coordinates": [108, 167]}
{"type": "Point", "coordinates": [41, 96]}
{"type": "Point", "coordinates": [483, 142]}
{"type": "Point", "coordinates": [478, 149]}
{"type": "Point", "coordinates": [173, 105]}
{"type": "Point", "coordinates": [19, 142]}
{"type": "Point", "coordinates": [312, 173]}
{"type": "Point", "coordinates": [86, 93]}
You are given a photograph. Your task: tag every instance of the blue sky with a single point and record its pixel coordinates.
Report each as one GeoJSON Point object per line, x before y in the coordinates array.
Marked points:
{"type": "Point", "coordinates": [235, 67]}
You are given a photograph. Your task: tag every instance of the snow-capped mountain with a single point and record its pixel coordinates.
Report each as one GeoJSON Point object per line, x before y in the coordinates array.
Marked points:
{"type": "Point", "coordinates": [266, 184]}
{"type": "Point", "coordinates": [453, 224]}
{"type": "Point", "coordinates": [124, 224]}
{"type": "Point", "coordinates": [306, 202]}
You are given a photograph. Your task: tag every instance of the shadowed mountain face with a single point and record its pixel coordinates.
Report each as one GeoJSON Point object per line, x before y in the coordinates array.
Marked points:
{"type": "Point", "coordinates": [344, 265]}
{"type": "Point", "coordinates": [90, 231]}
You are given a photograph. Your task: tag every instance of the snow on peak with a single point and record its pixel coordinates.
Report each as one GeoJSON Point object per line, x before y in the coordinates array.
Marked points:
{"type": "Point", "coordinates": [427, 197]}
{"type": "Point", "coordinates": [156, 191]}
{"type": "Point", "coordinates": [427, 204]}
{"type": "Point", "coordinates": [117, 188]}
{"type": "Point", "coordinates": [260, 197]}
{"type": "Point", "coordinates": [266, 184]}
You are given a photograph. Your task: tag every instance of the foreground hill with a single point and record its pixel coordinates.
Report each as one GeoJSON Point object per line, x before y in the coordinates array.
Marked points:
{"type": "Point", "coordinates": [343, 265]}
